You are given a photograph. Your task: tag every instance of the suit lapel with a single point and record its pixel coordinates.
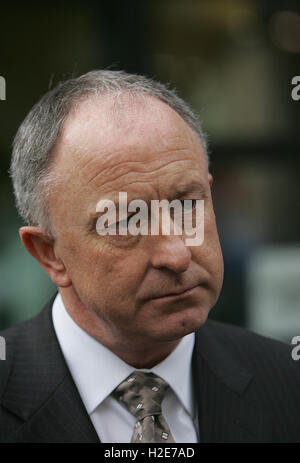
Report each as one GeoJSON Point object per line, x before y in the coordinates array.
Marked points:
{"type": "Point", "coordinates": [227, 410]}
{"type": "Point", "coordinates": [41, 391]}
{"type": "Point", "coordinates": [61, 419]}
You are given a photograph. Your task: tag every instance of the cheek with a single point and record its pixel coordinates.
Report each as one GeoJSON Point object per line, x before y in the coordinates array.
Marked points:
{"type": "Point", "coordinates": [124, 272]}
{"type": "Point", "coordinates": [115, 285]}
{"type": "Point", "coordinates": [111, 273]}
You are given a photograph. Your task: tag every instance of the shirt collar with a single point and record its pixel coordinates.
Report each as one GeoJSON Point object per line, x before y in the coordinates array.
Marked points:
{"type": "Point", "coordinates": [97, 371]}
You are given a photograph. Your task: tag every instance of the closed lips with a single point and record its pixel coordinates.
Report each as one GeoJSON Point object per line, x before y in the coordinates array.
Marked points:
{"type": "Point", "coordinates": [178, 293]}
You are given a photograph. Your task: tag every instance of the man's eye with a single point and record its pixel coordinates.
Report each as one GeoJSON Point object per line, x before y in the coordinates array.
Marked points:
{"type": "Point", "coordinates": [188, 204]}
{"type": "Point", "coordinates": [123, 223]}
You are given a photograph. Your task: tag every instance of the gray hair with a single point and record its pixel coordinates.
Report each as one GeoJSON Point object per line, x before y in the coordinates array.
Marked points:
{"type": "Point", "coordinates": [37, 135]}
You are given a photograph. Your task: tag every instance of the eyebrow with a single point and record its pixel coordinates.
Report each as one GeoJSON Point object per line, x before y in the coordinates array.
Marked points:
{"type": "Point", "coordinates": [190, 188]}
{"type": "Point", "coordinates": [180, 192]}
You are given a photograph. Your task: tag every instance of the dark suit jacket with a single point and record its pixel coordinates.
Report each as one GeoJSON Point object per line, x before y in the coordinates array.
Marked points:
{"type": "Point", "coordinates": [247, 387]}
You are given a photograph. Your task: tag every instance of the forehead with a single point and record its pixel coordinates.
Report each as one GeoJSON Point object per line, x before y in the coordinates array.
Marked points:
{"type": "Point", "coordinates": [106, 141]}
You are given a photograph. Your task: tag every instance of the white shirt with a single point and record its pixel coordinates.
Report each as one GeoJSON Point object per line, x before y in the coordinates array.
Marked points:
{"type": "Point", "coordinates": [97, 371]}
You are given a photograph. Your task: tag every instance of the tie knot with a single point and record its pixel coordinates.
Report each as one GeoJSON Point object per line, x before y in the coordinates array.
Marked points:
{"type": "Point", "coordinates": [142, 394]}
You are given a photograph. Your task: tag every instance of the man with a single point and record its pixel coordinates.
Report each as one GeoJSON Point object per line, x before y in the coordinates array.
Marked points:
{"type": "Point", "coordinates": [124, 351]}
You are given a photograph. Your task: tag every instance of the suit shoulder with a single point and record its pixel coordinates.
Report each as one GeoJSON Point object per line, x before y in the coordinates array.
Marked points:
{"type": "Point", "coordinates": [22, 337]}
{"type": "Point", "coordinates": [15, 338]}
{"type": "Point", "coordinates": [25, 328]}
{"type": "Point", "coordinates": [260, 352]}
{"type": "Point", "coordinates": [12, 331]}
{"type": "Point", "coordinates": [243, 334]}
{"type": "Point", "coordinates": [19, 334]}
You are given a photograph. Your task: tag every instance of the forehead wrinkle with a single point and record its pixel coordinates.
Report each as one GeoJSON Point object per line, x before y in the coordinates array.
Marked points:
{"type": "Point", "coordinates": [130, 150]}
{"type": "Point", "coordinates": [118, 173]}
{"type": "Point", "coordinates": [120, 169]}
{"type": "Point", "coordinates": [113, 159]}
{"type": "Point", "coordinates": [117, 160]}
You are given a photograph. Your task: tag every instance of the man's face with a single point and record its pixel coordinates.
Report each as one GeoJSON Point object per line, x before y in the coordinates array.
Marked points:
{"type": "Point", "coordinates": [148, 151]}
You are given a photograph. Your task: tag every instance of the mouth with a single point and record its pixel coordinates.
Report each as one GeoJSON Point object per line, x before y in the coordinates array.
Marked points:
{"type": "Point", "coordinates": [178, 295]}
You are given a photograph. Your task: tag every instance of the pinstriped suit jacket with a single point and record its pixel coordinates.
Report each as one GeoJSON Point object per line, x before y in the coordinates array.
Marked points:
{"type": "Point", "coordinates": [247, 387]}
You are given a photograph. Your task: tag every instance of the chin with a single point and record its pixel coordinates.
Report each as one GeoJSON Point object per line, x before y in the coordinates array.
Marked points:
{"type": "Point", "coordinates": [181, 324]}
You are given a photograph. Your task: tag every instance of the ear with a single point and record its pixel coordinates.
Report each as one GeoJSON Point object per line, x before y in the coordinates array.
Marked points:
{"type": "Point", "coordinates": [210, 179]}
{"type": "Point", "coordinates": [41, 247]}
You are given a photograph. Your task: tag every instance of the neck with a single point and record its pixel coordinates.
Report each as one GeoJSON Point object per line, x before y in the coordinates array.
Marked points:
{"type": "Point", "coordinates": [147, 358]}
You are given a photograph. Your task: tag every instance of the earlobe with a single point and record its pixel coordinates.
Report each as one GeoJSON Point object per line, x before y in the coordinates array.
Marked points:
{"type": "Point", "coordinates": [210, 179]}
{"type": "Point", "coordinates": [41, 247]}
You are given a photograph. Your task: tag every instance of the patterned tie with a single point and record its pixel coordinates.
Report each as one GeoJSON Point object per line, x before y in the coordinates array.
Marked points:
{"type": "Point", "coordinates": [142, 394]}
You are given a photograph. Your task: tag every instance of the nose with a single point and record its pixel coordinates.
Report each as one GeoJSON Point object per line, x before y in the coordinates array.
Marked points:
{"type": "Point", "coordinates": [169, 251]}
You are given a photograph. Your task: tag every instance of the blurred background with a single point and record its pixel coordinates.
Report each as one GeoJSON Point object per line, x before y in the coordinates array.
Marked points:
{"type": "Point", "coordinates": [233, 61]}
